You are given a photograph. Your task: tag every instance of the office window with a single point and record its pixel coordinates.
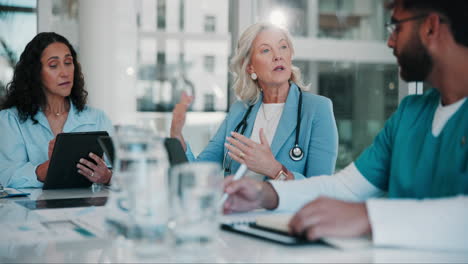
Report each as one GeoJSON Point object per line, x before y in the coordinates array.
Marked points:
{"type": "Point", "coordinates": [174, 59]}
{"type": "Point", "coordinates": [17, 27]}
{"type": "Point", "coordinates": [364, 96]}
{"type": "Point", "coordinates": [147, 15]}
{"type": "Point", "coordinates": [210, 23]}
{"type": "Point", "coordinates": [357, 19]}
{"type": "Point", "coordinates": [161, 66]}
{"type": "Point", "coordinates": [336, 19]}
{"type": "Point", "coordinates": [290, 14]}
{"type": "Point", "coordinates": [181, 15]}
{"type": "Point", "coordinates": [161, 14]}
{"type": "Point", "coordinates": [209, 63]}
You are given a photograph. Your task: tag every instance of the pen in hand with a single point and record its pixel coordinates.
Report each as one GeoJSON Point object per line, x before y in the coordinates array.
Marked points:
{"type": "Point", "coordinates": [239, 173]}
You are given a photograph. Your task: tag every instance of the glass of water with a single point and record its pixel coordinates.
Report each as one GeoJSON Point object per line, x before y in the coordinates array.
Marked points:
{"type": "Point", "coordinates": [195, 191]}
{"type": "Point", "coordinates": [138, 202]}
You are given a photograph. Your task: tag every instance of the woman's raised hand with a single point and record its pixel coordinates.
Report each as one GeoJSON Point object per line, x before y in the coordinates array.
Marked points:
{"type": "Point", "coordinates": [257, 157]}
{"type": "Point", "coordinates": [178, 117]}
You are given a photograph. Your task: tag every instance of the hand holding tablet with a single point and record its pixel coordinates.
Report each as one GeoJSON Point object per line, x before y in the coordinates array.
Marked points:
{"type": "Point", "coordinates": [68, 150]}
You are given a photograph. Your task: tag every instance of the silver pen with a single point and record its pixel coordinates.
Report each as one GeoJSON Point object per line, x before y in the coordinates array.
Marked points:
{"type": "Point", "coordinates": [239, 174]}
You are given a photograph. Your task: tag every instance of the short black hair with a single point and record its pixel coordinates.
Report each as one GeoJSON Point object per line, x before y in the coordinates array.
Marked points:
{"type": "Point", "coordinates": [455, 11]}
{"type": "Point", "coordinates": [25, 91]}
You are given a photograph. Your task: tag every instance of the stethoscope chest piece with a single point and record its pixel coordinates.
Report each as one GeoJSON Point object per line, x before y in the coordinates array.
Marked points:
{"type": "Point", "coordinates": [296, 153]}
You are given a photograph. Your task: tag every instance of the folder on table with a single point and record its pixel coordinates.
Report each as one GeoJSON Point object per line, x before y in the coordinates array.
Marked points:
{"type": "Point", "coordinates": [12, 192]}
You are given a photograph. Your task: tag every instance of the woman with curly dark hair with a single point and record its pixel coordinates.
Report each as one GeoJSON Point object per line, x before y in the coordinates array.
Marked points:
{"type": "Point", "coordinates": [46, 97]}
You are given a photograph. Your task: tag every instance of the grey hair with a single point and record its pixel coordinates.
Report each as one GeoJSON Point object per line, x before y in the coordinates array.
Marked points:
{"type": "Point", "coordinates": [245, 88]}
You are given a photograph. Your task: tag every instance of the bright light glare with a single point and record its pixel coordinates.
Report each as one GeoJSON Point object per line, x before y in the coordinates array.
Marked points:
{"type": "Point", "coordinates": [130, 71]}
{"type": "Point", "coordinates": [277, 17]}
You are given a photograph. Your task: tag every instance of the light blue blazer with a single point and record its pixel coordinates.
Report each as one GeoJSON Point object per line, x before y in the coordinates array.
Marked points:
{"type": "Point", "coordinates": [318, 135]}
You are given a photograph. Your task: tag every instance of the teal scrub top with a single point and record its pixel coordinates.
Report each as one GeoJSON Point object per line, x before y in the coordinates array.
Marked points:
{"type": "Point", "coordinates": [407, 161]}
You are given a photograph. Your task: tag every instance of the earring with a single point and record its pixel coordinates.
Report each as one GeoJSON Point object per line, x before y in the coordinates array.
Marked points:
{"type": "Point", "coordinates": [253, 76]}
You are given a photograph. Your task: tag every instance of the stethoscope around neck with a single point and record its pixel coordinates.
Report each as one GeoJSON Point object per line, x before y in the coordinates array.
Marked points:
{"type": "Point", "coordinates": [296, 153]}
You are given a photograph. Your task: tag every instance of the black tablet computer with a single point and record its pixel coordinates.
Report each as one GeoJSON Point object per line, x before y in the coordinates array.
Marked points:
{"type": "Point", "coordinates": [107, 146]}
{"type": "Point", "coordinates": [68, 150]}
{"type": "Point", "coordinates": [175, 151]}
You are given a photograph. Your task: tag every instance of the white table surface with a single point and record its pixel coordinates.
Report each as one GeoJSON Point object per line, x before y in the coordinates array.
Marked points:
{"type": "Point", "coordinates": [227, 247]}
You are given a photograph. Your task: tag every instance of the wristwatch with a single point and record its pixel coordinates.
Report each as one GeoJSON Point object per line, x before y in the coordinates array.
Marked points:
{"type": "Point", "coordinates": [282, 174]}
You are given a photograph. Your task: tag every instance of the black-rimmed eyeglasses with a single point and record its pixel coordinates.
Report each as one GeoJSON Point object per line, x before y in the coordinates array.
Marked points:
{"type": "Point", "coordinates": [393, 24]}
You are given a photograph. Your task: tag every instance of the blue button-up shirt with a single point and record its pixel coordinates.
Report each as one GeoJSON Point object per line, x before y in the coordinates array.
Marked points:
{"type": "Point", "coordinates": [24, 145]}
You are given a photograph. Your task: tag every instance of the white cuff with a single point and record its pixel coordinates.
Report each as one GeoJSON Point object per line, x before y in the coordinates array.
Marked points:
{"type": "Point", "coordinates": [348, 185]}
{"type": "Point", "coordinates": [429, 224]}
{"type": "Point", "coordinates": [288, 200]}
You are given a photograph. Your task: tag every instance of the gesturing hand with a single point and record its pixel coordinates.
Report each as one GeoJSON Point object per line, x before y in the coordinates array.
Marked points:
{"type": "Point", "coordinates": [257, 157]}
{"type": "Point", "coordinates": [98, 173]}
{"type": "Point", "coordinates": [178, 117]}
{"type": "Point", "coordinates": [326, 217]}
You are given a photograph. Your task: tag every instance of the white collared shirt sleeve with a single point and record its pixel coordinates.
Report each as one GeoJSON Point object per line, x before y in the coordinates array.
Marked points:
{"type": "Point", "coordinates": [429, 223]}
{"type": "Point", "coordinates": [348, 184]}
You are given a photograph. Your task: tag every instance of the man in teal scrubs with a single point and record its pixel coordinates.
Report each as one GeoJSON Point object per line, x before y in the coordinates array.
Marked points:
{"type": "Point", "coordinates": [419, 159]}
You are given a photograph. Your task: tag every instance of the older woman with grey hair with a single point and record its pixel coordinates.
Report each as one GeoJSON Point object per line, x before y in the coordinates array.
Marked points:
{"type": "Point", "coordinates": [276, 129]}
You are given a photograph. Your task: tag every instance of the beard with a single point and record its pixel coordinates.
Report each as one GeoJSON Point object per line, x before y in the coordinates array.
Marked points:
{"type": "Point", "coordinates": [415, 61]}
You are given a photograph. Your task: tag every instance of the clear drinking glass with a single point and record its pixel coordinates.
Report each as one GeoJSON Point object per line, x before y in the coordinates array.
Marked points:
{"type": "Point", "coordinates": [138, 201]}
{"type": "Point", "coordinates": [195, 191]}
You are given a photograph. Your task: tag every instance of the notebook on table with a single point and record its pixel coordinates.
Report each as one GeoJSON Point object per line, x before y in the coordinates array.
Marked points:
{"type": "Point", "coordinates": [63, 203]}
{"type": "Point", "coordinates": [268, 227]}
{"type": "Point", "coordinates": [12, 192]}
{"type": "Point", "coordinates": [275, 227]}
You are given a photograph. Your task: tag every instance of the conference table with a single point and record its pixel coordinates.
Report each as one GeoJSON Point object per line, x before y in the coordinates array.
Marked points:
{"type": "Point", "coordinates": [36, 229]}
